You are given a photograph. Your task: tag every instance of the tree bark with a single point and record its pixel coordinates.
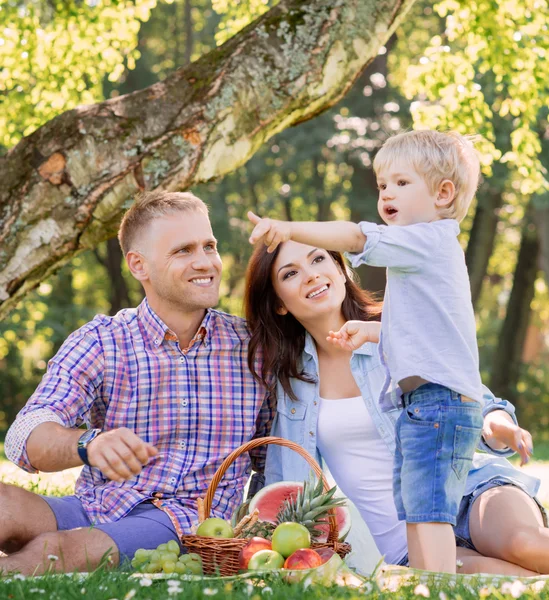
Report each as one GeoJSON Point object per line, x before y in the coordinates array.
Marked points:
{"type": "Point", "coordinates": [64, 188]}
{"type": "Point", "coordinates": [482, 238]}
{"type": "Point", "coordinates": [507, 359]}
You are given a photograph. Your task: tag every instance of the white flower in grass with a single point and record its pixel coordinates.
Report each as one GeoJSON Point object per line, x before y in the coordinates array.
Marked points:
{"type": "Point", "coordinates": [537, 586]}
{"type": "Point", "coordinates": [36, 591]}
{"type": "Point", "coordinates": [210, 591]}
{"type": "Point", "coordinates": [515, 588]}
{"type": "Point", "coordinates": [53, 557]}
{"type": "Point", "coordinates": [484, 592]}
{"type": "Point", "coordinates": [393, 585]}
{"type": "Point", "coordinates": [422, 590]}
{"type": "Point", "coordinates": [267, 590]}
{"type": "Point", "coordinates": [442, 596]}
{"type": "Point", "coordinates": [145, 582]}
{"type": "Point", "coordinates": [367, 587]}
{"type": "Point", "coordinates": [459, 563]}
{"type": "Point", "coordinates": [19, 576]}
{"type": "Point", "coordinates": [249, 589]}
{"type": "Point", "coordinates": [174, 590]}
{"type": "Point", "coordinates": [130, 594]}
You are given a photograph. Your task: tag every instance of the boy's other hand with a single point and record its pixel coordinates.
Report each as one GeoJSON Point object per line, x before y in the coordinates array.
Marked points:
{"type": "Point", "coordinates": [354, 334]}
{"type": "Point", "coordinates": [270, 231]}
{"type": "Point", "coordinates": [499, 431]}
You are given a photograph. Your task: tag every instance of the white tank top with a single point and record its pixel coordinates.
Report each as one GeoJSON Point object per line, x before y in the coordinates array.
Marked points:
{"type": "Point", "coordinates": [362, 467]}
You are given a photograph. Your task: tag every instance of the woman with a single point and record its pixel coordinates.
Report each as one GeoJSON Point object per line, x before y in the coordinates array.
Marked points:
{"type": "Point", "coordinates": [327, 401]}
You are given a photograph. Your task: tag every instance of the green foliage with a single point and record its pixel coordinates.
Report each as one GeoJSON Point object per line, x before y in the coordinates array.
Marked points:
{"type": "Point", "coordinates": [486, 64]}
{"type": "Point", "coordinates": [236, 14]}
{"type": "Point", "coordinates": [54, 56]}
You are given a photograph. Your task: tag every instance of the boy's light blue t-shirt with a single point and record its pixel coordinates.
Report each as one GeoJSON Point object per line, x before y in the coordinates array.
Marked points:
{"type": "Point", "coordinates": [428, 325]}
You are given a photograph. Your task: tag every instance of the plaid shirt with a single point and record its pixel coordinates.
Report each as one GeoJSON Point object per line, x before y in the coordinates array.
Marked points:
{"type": "Point", "coordinates": [196, 405]}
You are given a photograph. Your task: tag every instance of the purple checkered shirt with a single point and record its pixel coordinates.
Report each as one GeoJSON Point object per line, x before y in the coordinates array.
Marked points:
{"type": "Point", "coordinates": [196, 405]}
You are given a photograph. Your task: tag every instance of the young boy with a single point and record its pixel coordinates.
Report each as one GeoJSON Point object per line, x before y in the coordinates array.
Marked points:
{"type": "Point", "coordinates": [426, 181]}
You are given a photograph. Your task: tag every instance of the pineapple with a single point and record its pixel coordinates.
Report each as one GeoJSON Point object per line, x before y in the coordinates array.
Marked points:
{"type": "Point", "coordinates": [310, 507]}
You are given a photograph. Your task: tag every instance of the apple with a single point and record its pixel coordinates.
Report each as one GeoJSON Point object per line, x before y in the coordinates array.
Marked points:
{"type": "Point", "coordinates": [254, 545]}
{"type": "Point", "coordinates": [305, 558]}
{"type": "Point", "coordinates": [215, 527]}
{"type": "Point", "coordinates": [289, 537]}
{"type": "Point", "coordinates": [266, 559]}
{"type": "Point", "coordinates": [325, 554]}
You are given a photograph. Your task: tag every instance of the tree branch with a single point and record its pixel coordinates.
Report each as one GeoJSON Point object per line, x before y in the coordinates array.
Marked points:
{"type": "Point", "coordinates": [64, 188]}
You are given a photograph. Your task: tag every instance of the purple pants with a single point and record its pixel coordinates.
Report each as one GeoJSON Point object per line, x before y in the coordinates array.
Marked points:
{"type": "Point", "coordinates": [145, 526]}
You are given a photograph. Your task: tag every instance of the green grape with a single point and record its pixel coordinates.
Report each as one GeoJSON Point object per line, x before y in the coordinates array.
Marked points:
{"type": "Point", "coordinates": [173, 546]}
{"type": "Point", "coordinates": [155, 556]}
{"type": "Point", "coordinates": [194, 567]}
{"type": "Point", "coordinates": [142, 554]}
{"type": "Point", "coordinates": [168, 556]}
{"type": "Point", "coordinates": [162, 547]}
{"type": "Point", "coordinates": [168, 566]}
{"type": "Point", "coordinates": [154, 567]}
{"type": "Point", "coordinates": [180, 568]}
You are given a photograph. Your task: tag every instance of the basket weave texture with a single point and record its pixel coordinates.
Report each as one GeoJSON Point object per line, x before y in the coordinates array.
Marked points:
{"type": "Point", "coordinates": [220, 556]}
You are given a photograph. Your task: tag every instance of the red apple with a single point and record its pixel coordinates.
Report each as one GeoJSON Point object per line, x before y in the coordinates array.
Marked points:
{"type": "Point", "coordinates": [325, 554]}
{"type": "Point", "coordinates": [266, 559]}
{"type": "Point", "coordinates": [306, 558]}
{"type": "Point", "coordinates": [254, 545]}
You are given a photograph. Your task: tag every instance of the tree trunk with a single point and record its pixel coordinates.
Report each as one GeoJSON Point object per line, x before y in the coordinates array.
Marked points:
{"type": "Point", "coordinates": [482, 238]}
{"type": "Point", "coordinates": [507, 359]}
{"type": "Point", "coordinates": [64, 188]}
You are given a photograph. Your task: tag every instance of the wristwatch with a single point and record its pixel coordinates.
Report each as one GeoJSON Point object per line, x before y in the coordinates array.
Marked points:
{"type": "Point", "coordinates": [83, 443]}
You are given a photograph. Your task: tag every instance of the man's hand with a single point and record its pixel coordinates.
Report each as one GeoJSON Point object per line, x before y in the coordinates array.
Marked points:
{"type": "Point", "coordinates": [355, 333]}
{"type": "Point", "coordinates": [270, 231]}
{"type": "Point", "coordinates": [120, 454]}
{"type": "Point", "coordinates": [499, 431]}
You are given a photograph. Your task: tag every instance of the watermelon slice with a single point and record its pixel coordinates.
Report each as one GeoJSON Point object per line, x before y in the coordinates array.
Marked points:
{"type": "Point", "coordinates": [270, 499]}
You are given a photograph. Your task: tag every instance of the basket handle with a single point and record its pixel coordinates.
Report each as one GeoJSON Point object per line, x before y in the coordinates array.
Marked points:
{"type": "Point", "coordinates": [333, 534]}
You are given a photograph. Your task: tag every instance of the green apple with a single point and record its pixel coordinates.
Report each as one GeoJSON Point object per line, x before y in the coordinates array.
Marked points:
{"type": "Point", "coordinates": [266, 559]}
{"type": "Point", "coordinates": [289, 537]}
{"type": "Point", "coordinates": [215, 527]}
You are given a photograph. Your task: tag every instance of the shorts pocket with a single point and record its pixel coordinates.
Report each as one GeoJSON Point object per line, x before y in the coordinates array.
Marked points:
{"type": "Point", "coordinates": [420, 414]}
{"type": "Point", "coordinates": [465, 443]}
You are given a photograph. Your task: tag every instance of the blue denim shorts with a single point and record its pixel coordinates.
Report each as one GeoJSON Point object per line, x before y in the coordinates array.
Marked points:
{"type": "Point", "coordinates": [146, 526]}
{"type": "Point", "coordinates": [436, 436]}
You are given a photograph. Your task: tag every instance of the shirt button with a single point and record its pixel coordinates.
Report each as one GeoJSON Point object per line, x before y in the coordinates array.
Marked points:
{"type": "Point", "coordinates": [184, 403]}
{"type": "Point", "coordinates": [173, 479]}
{"type": "Point", "coordinates": [182, 444]}
{"type": "Point", "coordinates": [315, 402]}
{"type": "Point", "coordinates": [156, 342]}
{"type": "Point", "coordinates": [293, 411]}
{"type": "Point", "coordinates": [311, 433]}
{"type": "Point", "coordinates": [181, 359]}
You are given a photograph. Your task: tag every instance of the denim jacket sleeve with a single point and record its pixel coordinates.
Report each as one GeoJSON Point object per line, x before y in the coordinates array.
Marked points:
{"type": "Point", "coordinates": [492, 403]}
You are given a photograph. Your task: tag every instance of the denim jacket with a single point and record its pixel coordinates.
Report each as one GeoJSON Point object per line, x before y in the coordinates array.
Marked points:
{"type": "Point", "coordinates": [297, 421]}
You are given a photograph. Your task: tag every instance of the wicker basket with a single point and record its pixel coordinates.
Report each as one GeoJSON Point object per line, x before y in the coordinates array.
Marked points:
{"type": "Point", "coordinates": [220, 555]}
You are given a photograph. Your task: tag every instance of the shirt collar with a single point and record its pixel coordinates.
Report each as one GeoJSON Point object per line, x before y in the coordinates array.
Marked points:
{"type": "Point", "coordinates": [158, 331]}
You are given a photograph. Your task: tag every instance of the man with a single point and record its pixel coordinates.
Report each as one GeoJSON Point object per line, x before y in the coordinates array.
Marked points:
{"type": "Point", "coordinates": [166, 395]}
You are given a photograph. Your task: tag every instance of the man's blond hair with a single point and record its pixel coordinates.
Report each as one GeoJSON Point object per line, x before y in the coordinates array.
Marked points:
{"type": "Point", "coordinates": [149, 206]}
{"type": "Point", "coordinates": [436, 156]}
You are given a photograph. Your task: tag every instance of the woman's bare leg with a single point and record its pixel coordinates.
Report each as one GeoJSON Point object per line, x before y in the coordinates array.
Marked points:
{"type": "Point", "coordinates": [473, 562]}
{"type": "Point", "coordinates": [505, 523]}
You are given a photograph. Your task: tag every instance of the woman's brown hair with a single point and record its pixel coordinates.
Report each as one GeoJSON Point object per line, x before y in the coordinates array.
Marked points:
{"type": "Point", "coordinates": [281, 338]}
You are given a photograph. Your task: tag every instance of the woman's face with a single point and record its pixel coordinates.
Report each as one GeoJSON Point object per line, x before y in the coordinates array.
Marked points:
{"type": "Point", "coordinates": [307, 281]}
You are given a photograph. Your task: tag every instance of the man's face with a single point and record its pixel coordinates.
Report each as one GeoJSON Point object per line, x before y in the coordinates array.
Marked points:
{"type": "Point", "coordinates": [183, 268]}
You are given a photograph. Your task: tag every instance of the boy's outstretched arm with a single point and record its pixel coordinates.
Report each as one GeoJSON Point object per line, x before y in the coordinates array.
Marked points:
{"type": "Point", "coordinates": [342, 236]}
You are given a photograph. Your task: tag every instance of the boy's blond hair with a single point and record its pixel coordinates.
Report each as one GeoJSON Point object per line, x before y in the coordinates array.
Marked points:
{"type": "Point", "coordinates": [436, 156]}
{"type": "Point", "coordinates": [154, 205]}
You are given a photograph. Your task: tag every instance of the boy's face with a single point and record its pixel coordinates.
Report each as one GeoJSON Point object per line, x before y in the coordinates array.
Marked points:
{"type": "Point", "coordinates": [404, 197]}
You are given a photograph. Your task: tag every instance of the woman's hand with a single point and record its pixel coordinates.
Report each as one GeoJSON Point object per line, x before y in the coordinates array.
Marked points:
{"type": "Point", "coordinates": [500, 431]}
{"type": "Point", "coordinates": [270, 231]}
{"type": "Point", "coordinates": [355, 333]}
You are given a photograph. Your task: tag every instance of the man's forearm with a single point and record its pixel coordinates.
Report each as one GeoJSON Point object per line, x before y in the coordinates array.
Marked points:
{"type": "Point", "coordinates": [52, 447]}
{"type": "Point", "coordinates": [342, 236]}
